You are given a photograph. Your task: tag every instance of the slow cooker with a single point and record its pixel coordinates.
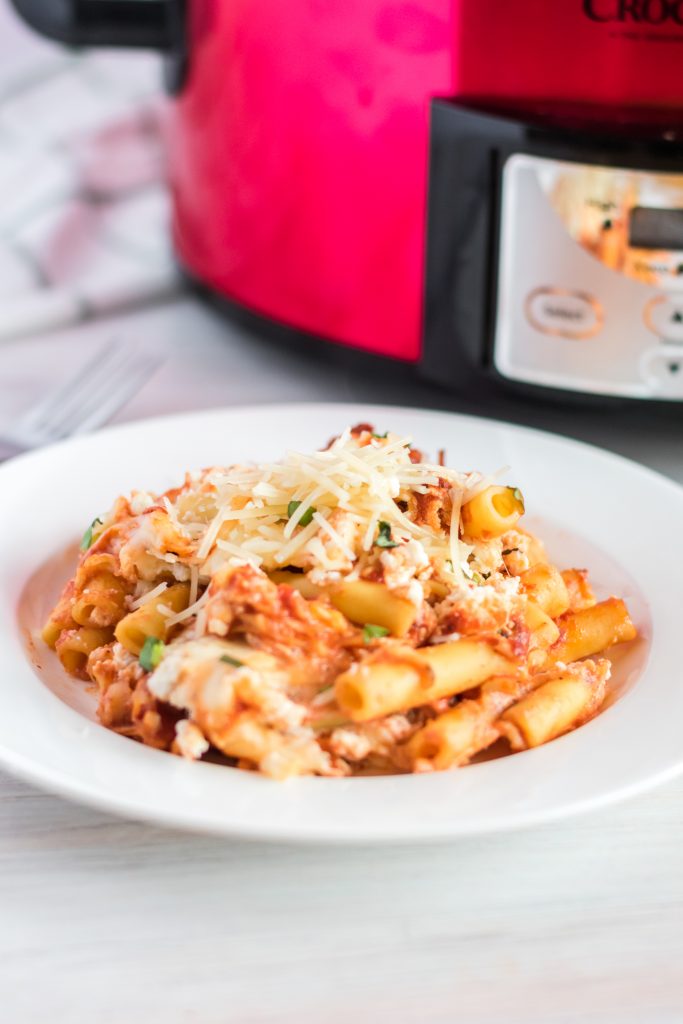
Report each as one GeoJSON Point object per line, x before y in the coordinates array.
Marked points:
{"type": "Point", "coordinates": [480, 187]}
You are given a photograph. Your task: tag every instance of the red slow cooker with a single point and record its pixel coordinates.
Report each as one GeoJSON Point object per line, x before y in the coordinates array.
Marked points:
{"type": "Point", "coordinates": [300, 140]}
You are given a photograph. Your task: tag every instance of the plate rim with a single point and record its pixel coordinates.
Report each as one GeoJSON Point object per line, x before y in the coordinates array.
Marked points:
{"type": "Point", "coordinates": [268, 407]}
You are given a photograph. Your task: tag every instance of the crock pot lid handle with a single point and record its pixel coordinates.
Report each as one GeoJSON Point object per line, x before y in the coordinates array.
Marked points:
{"type": "Point", "coordinates": [138, 23]}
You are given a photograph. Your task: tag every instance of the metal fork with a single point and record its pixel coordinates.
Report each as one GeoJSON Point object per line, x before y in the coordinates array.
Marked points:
{"type": "Point", "coordinates": [85, 401]}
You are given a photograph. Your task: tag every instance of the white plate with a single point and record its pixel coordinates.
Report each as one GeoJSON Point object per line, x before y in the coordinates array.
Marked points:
{"type": "Point", "coordinates": [594, 509]}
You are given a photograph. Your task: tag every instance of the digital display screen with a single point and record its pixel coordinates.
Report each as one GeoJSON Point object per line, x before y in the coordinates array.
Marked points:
{"type": "Point", "coordinates": [655, 228]}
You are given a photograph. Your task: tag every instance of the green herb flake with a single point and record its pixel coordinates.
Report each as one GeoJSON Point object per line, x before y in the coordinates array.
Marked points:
{"type": "Point", "coordinates": [227, 659]}
{"type": "Point", "coordinates": [87, 536]}
{"type": "Point", "coordinates": [306, 518]}
{"type": "Point", "coordinates": [372, 632]}
{"type": "Point", "coordinates": [381, 437]}
{"type": "Point", "coordinates": [509, 551]}
{"type": "Point", "coordinates": [384, 536]}
{"type": "Point", "coordinates": [518, 496]}
{"type": "Point", "coordinates": [151, 653]}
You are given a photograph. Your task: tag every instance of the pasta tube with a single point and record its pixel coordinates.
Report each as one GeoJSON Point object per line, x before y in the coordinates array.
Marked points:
{"type": "Point", "coordinates": [458, 734]}
{"type": "Point", "coordinates": [544, 631]}
{"type": "Point", "coordinates": [405, 678]}
{"type": "Point", "coordinates": [248, 738]}
{"type": "Point", "coordinates": [60, 617]}
{"type": "Point", "coordinates": [102, 602]}
{"type": "Point", "coordinates": [590, 630]}
{"type": "Point", "coordinates": [244, 735]}
{"type": "Point", "coordinates": [74, 647]}
{"type": "Point", "coordinates": [544, 585]}
{"type": "Point", "coordinates": [491, 512]}
{"type": "Point", "coordinates": [554, 707]}
{"type": "Point", "coordinates": [363, 601]}
{"type": "Point", "coordinates": [452, 738]}
{"type": "Point", "coordinates": [52, 630]}
{"type": "Point", "coordinates": [579, 589]}
{"type": "Point", "coordinates": [148, 620]}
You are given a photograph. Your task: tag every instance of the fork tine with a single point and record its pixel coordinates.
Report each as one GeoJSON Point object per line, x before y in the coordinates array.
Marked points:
{"type": "Point", "coordinates": [117, 397]}
{"type": "Point", "coordinates": [88, 399]}
{"type": "Point", "coordinates": [38, 419]}
{"type": "Point", "coordinates": [100, 402]}
{"type": "Point", "coordinates": [96, 394]}
{"type": "Point", "coordinates": [87, 393]}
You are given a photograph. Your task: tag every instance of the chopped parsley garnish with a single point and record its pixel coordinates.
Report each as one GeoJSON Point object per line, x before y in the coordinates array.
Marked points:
{"type": "Point", "coordinates": [384, 536]}
{"type": "Point", "coordinates": [372, 632]}
{"type": "Point", "coordinates": [509, 551]}
{"type": "Point", "coordinates": [485, 575]}
{"type": "Point", "coordinates": [518, 496]}
{"type": "Point", "coordinates": [87, 536]}
{"type": "Point", "coordinates": [151, 653]}
{"type": "Point", "coordinates": [227, 659]}
{"type": "Point", "coordinates": [306, 518]}
{"type": "Point", "coordinates": [381, 437]}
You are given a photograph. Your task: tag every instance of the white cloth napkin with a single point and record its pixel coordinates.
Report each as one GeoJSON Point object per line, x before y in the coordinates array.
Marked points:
{"type": "Point", "coordinates": [83, 204]}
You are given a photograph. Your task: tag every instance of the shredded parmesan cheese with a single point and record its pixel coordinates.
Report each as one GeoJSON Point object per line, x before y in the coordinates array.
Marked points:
{"type": "Point", "coordinates": [194, 583]}
{"type": "Point", "coordinates": [188, 612]}
{"type": "Point", "coordinates": [243, 512]}
{"type": "Point", "coordinates": [297, 542]}
{"type": "Point", "coordinates": [334, 536]}
{"type": "Point", "coordinates": [149, 596]}
{"type": "Point", "coordinates": [454, 539]}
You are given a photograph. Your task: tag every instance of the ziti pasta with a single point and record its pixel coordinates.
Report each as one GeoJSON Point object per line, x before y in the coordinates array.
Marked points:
{"type": "Point", "coordinates": [349, 611]}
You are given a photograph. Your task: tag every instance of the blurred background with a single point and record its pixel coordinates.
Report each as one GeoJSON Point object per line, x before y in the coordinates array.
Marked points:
{"type": "Point", "coordinates": [86, 260]}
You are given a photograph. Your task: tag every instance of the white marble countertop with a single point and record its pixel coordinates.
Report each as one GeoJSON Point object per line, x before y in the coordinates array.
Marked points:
{"type": "Point", "coordinates": [107, 920]}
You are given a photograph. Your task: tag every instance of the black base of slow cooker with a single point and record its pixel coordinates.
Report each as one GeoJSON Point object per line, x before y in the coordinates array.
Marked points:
{"type": "Point", "coordinates": [477, 388]}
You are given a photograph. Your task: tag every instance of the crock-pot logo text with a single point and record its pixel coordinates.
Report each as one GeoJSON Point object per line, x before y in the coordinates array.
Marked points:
{"type": "Point", "coordinates": [644, 12]}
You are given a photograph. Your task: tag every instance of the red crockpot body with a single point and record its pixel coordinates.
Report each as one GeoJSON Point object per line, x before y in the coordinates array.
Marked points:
{"type": "Point", "coordinates": [300, 139]}
{"type": "Point", "coordinates": [299, 160]}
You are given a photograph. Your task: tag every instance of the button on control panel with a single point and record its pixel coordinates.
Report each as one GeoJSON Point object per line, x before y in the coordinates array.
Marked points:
{"type": "Point", "coordinates": [664, 317]}
{"type": "Point", "coordinates": [662, 370]}
{"type": "Point", "coordinates": [564, 313]}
